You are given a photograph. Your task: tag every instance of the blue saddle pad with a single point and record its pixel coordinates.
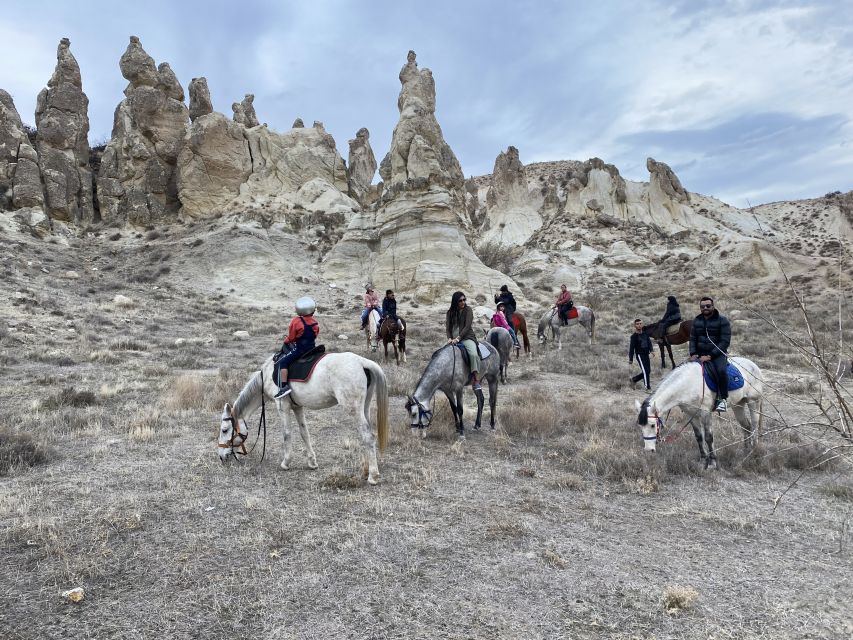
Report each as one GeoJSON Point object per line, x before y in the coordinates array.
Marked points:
{"type": "Point", "coordinates": [736, 380]}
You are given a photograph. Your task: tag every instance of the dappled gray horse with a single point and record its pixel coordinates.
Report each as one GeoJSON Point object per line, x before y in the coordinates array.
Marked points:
{"type": "Point", "coordinates": [501, 340]}
{"type": "Point", "coordinates": [551, 320]}
{"type": "Point", "coordinates": [448, 371]}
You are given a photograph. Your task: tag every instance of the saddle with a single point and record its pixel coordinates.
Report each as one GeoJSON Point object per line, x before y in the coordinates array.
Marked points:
{"type": "Point", "coordinates": [301, 370]}
{"type": "Point", "coordinates": [482, 349]}
{"type": "Point", "coordinates": [673, 328]}
{"type": "Point", "coordinates": [736, 380]}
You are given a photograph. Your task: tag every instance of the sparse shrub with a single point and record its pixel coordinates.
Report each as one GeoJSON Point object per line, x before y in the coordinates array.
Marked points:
{"type": "Point", "coordinates": [340, 481]}
{"type": "Point", "coordinates": [186, 392]}
{"type": "Point", "coordinates": [144, 426]}
{"type": "Point", "coordinates": [69, 397]}
{"type": "Point", "coordinates": [568, 482]}
{"type": "Point", "coordinates": [553, 559]}
{"type": "Point", "coordinates": [677, 599]}
{"type": "Point", "coordinates": [837, 490]}
{"type": "Point", "coordinates": [20, 451]}
{"type": "Point", "coordinates": [128, 344]}
{"type": "Point", "coordinates": [530, 413]}
{"type": "Point", "coordinates": [495, 256]}
{"type": "Point", "coordinates": [506, 528]}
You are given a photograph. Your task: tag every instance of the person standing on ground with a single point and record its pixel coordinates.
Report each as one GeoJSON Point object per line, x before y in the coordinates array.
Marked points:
{"type": "Point", "coordinates": [641, 346]}
{"type": "Point", "coordinates": [709, 344]}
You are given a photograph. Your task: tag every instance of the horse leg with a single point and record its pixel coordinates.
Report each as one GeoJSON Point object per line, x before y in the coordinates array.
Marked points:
{"type": "Point", "coordinates": [743, 414]}
{"type": "Point", "coordinates": [493, 402]}
{"type": "Point", "coordinates": [711, 460]}
{"type": "Point", "coordinates": [368, 446]}
{"type": "Point", "coordinates": [285, 431]}
{"type": "Point", "coordinates": [480, 402]}
{"type": "Point", "coordinates": [700, 439]}
{"type": "Point", "coordinates": [669, 350]}
{"type": "Point", "coordinates": [306, 437]}
{"type": "Point", "coordinates": [456, 409]}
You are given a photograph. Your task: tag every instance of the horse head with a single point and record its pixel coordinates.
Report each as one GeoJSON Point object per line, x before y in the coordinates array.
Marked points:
{"type": "Point", "coordinates": [231, 436]}
{"type": "Point", "coordinates": [421, 416]}
{"type": "Point", "coordinates": [650, 423]}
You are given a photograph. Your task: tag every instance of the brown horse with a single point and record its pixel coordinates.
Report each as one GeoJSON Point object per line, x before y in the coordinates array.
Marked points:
{"type": "Point", "coordinates": [679, 337]}
{"type": "Point", "coordinates": [520, 326]}
{"type": "Point", "coordinates": [397, 339]}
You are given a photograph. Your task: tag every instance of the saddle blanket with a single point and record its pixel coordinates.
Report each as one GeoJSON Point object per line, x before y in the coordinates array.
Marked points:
{"type": "Point", "coordinates": [736, 380]}
{"type": "Point", "coordinates": [573, 313]}
{"type": "Point", "coordinates": [301, 370]}
{"type": "Point", "coordinates": [674, 328]}
{"type": "Point", "coordinates": [482, 349]}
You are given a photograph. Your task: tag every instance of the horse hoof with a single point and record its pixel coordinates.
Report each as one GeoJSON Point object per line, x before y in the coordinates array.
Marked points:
{"type": "Point", "coordinates": [285, 466]}
{"type": "Point", "coordinates": [312, 464]}
{"type": "Point", "coordinates": [373, 480]}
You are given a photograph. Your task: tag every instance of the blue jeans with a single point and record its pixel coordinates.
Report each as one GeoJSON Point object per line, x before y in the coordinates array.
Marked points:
{"type": "Point", "coordinates": [366, 312]}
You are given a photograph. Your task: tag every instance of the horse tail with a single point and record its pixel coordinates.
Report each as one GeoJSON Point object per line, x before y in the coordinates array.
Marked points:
{"type": "Point", "coordinates": [380, 385]}
{"type": "Point", "coordinates": [493, 338]}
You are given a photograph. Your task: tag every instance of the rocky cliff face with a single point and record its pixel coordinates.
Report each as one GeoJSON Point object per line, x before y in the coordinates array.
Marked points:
{"type": "Point", "coordinates": [512, 214]}
{"type": "Point", "coordinates": [138, 179]}
{"type": "Point", "coordinates": [200, 102]}
{"type": "Point", "coordinates": [414, 237]}
{"type": "Point", "coordinates": [62, 141]}
{"type": "Point", "coordinates": [20, 178]}
{"type": "Point", "coordinates": [361, 165]}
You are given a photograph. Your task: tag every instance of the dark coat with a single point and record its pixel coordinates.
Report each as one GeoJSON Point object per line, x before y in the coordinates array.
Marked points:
{"type": "Point", "coordinates": [710, 337]}
{"type": "Point", "coordinates": [466, 331]}
{"type": "Point", "coordinates": [640, 343]}
{"type": "Point", "coordinates": [389, 308]}
{"type": "Point", "coordinates": [673, 312]}
{"type": "Point", "coordinates": [508, 300]}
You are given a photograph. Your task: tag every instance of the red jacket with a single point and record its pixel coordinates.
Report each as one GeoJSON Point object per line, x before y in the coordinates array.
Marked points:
{"type": "Point", "coordinates": [296, 328]}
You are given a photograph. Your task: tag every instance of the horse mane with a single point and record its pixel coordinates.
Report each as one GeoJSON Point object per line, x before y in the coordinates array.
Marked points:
{"type": "Point", "coordinates": [250, 390]}
{"type": "Point", "coordinates": [643, 418]}
{"type": "Point", "coordinates": [668, 378]}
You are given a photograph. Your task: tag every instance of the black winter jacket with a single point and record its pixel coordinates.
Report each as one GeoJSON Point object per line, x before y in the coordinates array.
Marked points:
{"type": "Point", "coordinates": [672, 314]}
{"type": "Point", "coordinates": [508, 300]}
{"type": "Point", "coordinates": [710, 337]}
{"type": "Point", "coordinates": [640, 343]}
{"type": "Point", "coordinates": [389, 307]}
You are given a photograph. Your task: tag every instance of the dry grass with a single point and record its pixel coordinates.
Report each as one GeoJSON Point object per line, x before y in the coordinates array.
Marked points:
{"type": "Point", "coordinates": [69, 397]}
{"type": "Point", "coordinates": [677, 599]}
{"type": "Point", "coordinates": [20, 451]}
{"type": "Point", "coordinates": [186, 392]}
{"type": "Point", "coordinates": [145, 425]}
{"type": "Point", "coordinates": [530, 413]}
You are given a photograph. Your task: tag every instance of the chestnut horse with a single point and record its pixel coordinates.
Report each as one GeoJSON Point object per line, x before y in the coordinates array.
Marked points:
{"type": "Point", "coordinates": [679, 337]}
{"type": "Point", "coordinates": [520, 326]}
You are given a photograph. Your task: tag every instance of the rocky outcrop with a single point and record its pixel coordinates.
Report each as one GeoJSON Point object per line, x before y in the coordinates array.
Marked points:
{"type": "Point", "coordinates": [213, 163]}
{"type": "Point", "coordinates": [597, 187]}
{"type": "Point", "coordinates": [418, 149]}
{"type": "Point", "coordinates": [27, 189]}
{"type": "Point", "coordinates": [362, 165]}
{"type": "Point", "coordinates": [62, 142]}
{"type": "Point", "coordinates": [298, 124]}
{"type": "Point", "coordinates": [200, 102]}
{"type": "Point", "coordinates": [512, 215]}
{"type": "Point", "coordinates": [239, 114]}
{"type": "Point", "coordinates": [662, 177]}
{"type": "Point", "coordinates": [137, 182]}
{"type": "Point", "coordinates": [14, 146]}
{"type": "Point", "coordinates": [250, 119]}
{"type": "Point", "coordinates": [414, 239]}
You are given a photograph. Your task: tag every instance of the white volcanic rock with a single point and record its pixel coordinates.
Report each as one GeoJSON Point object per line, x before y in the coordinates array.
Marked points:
{"type": "Point", "coordinates": [362, 165]}
{"type": "Point", "coordinates": [62, 142]}
{"type": "Point", "coordinates": [27, 189]}
{"type": "Point", "coordinates": [137, 181]}
{"type": "Point", "coordinates": [414, 239]}
{"type": "Point", "coordinates": [214, 162]}
{"type": "Point", "coordinates": [512, 214]}
{"type": "Point", "coordinates": [319, 196]}
{"type": "Point", "coordinates": [621, 256]}
{"type": "Point", "coordinates": [248, 109]}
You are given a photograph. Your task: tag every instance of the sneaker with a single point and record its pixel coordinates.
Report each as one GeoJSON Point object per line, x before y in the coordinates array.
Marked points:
{"type": "Point", "coordinates": [632, 382]}
{"type": "Point", "coordinates": [283, 391]}
{"type": "Point", "coordinates": [722, 405]}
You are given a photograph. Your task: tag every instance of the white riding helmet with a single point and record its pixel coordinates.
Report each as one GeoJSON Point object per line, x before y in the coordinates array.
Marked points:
{"type": "Point", "coordinates": [305, 306]}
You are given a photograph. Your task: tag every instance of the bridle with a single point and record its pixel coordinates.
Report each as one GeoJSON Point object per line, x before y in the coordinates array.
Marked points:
{"type": "Point", "coordinates": [423, 412]}
{"type": "Point", "coordinates": [232, 443]}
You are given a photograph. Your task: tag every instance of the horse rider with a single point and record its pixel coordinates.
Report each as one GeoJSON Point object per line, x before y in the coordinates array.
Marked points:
{"type": "Point", "coordinates": [459, 324]}
{"type": "Point", "coordinates": [563, 304]}
{"type": "Point", "coordinates": [499, 320]}
{"type": "Point", "coordinates": [709, 344]}
{"type": "Point", "coordinates": [301, 338]}
{"type": "Point", "coordinates": [509, 301]}
{"type": "Point", "coordinates": [389, 310]}
{"type": "Point", "coordinates": [641, 346]}
{"type": "Point", "coordinates": [371, 301]}
{"type": "Point", "coordinates": [671, 316]}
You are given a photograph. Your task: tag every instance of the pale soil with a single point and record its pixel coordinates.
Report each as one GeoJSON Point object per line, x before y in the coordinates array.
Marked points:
{"type": "Point", "coordinates": [571, 533]}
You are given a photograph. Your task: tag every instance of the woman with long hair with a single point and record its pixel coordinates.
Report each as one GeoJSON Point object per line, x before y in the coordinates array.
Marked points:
{"type": "Point", "coordinates": [459, 324]}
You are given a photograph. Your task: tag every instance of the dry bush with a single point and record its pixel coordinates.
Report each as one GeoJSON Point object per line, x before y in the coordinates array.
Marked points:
{"type": "Point", "coordinates": [226, 388]}
{"type": "Point", "coordinates": [401, 380]}
{"type": "Point", "coordinates": [531, 412]}
{"type": "Point", "coordinates": [104, 356]}
{"type": "Point", "coordinates": [677, 598]}
{"type": "Point", "coordinates": [495, 256]}
{"type": "Point", "coordinates": [504, 528]}
{"type": "Point", "coordinates": [615, 459]}
{"type": "Point", "coordinates": [20, 451]}
{"type": "Point", "coordinates": [128, 344]}
{"type": "Point", "coordinates": [553, 559]}
{"type": "Point", "coordinates": [567, 482]}
{"type": "Point", "coordinates": [341, 481]}
{"type": "Point", "coordinates": [69, 397]}
{"type": "Point", "coordinates": [143, 426]}
{"type": "Point", "coordinates": [838, 490]}
{"type": "Point", "coordinates": [186, 392]}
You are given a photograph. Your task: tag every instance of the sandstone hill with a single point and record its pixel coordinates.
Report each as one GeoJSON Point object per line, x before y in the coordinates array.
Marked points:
{"type": "Point", "coordinates": [286, 205]}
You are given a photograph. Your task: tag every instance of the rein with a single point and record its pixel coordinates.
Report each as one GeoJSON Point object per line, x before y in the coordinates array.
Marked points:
{"type": "Point", "coordinates": [659, 421]}
{"type": "Point", "coordinates": [235, 425]}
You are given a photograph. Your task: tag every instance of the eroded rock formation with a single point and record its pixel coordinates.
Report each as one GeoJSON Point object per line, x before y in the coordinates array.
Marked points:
{"type": "Point", "coordinates": [200, 102]}
{"type": "Point", "coordinates": [20, 179]}
{"type": "Point", "coordinates": [62, 141]}
{"type": "Point", "coordinates": [512, 215]}
{"type": "Point", "coordinates": [248, 108]}
{"type": "Point", "coordinates": [415, 237]}
{"type": "Point", "coordinates": [137, 180]}
{"type": "Point", "coordinates": [362, 165]}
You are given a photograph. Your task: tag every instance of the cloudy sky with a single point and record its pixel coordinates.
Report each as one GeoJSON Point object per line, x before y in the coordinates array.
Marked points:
{"type": "Point", "coordinates": [750, 101]}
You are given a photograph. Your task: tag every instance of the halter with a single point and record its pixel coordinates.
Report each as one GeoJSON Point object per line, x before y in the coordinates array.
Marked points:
{"type": "Point", "coordinates": [235, 432]}
{"type": "Point", "coordinates": [423, 412]}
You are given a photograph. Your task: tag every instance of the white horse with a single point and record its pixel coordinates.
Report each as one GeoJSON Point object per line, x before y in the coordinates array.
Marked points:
{"type": "Point", "coordinates": [551, 319]}
{"type": "Point", "coordinates": [686, 389]}
{"type": "Point", "coordinates": [372, 329]}
{"type": "Point", "coordinates": [346, 379]}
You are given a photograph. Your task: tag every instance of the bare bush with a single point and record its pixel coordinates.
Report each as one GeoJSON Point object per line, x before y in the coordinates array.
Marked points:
{"type": "Point", "coordinates": [20, 451]}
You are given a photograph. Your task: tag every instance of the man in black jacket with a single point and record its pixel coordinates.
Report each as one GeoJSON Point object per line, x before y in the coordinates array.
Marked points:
{"type": "Point", "coordinates": [641, 346]}
{"type": "Point", "coordinates": [709, 343]}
